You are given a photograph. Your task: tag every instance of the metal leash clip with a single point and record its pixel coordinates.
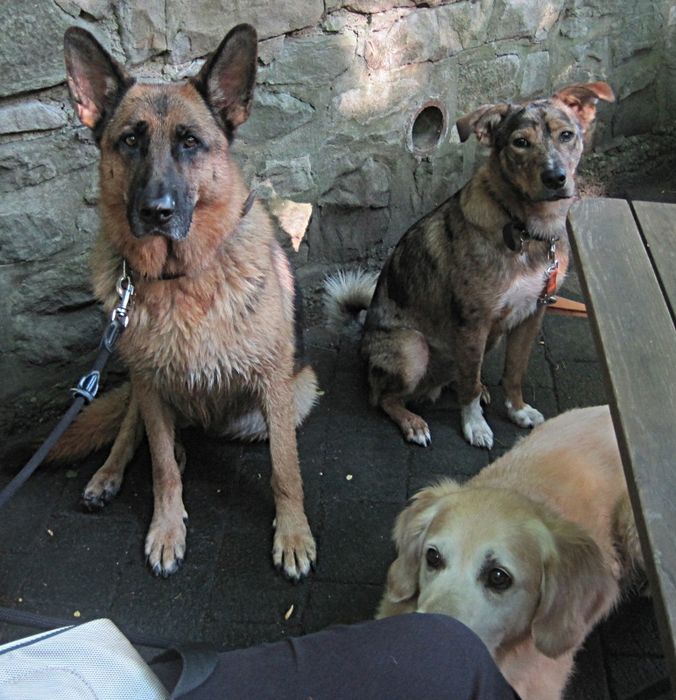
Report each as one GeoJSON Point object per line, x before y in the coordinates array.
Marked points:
{"type": "Point", "coordinates": [125, 290]}
{"type": "Point", "coordinates": [119, 318]}
{"type": "Point", "coordinates": [88, 386]}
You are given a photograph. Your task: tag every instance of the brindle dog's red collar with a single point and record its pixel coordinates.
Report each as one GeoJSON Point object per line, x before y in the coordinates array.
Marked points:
{"type": "Point", "coordinates": [166, 277]}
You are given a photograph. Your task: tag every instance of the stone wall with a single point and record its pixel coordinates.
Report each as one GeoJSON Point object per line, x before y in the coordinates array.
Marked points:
{"type": "Point", "coordinates": [351, 137]}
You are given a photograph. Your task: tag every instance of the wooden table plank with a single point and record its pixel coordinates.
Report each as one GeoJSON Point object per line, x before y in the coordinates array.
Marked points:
{"type": "Point", "coordinates": [658, 226]}
{"type": "Point", "coordinates": [636, 339]}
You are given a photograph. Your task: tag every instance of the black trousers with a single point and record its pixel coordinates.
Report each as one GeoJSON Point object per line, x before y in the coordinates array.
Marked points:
{"type": "Point", "coordinates": [407, 657]}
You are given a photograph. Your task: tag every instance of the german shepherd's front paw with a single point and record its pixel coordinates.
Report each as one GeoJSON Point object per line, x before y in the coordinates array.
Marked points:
{"type": "Point", "coordinates": [101, 489]}
{"type": "Point", "coordinates": [293, 548]}
{"type": "Point", "coordinates": [526, 417]}
{"type": "Point", "coordinates": [474, 427]}
{"type": "Point", "coordinates": [165, 545]}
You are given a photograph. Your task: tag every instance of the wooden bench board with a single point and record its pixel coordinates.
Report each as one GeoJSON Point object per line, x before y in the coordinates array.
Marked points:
{"type": "Point", "coordinates": [658, 226]}
{"type": "Point", "coordinates": [636, 339]}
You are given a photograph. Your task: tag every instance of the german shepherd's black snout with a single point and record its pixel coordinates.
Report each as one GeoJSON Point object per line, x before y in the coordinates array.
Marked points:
{"type": "Point", "coordinates": [160, 208]}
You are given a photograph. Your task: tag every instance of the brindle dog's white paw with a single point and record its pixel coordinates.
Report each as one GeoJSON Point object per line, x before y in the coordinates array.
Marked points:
{"type": "Point", "coordinates": [474, 427]}
{"type": "Point", "coordinates": [526, 417]}
{"type": "Point", "coordinates": [293, 547]}
{"type": "Point", "coordinates": [165, 545]}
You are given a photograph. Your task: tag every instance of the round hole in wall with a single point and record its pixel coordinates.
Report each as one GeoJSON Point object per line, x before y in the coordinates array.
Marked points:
{"type": "Point", "coordinates": [428, 128]}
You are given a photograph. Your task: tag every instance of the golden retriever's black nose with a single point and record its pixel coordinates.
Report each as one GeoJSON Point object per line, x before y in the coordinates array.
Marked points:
{"type": "Point", "coordinates": [158, 210]}
{"type": "Point", "coordinates": [554, 178]}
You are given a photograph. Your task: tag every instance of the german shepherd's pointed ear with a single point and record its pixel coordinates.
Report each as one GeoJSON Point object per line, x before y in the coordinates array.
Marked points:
{"type": "Point", "coordinates": [228, 78]}
{"type": "Point", "coordinates": [482, 122]}
{"type": "Point", "coordinates": [409, 533]}
{"type": "Point", "coordinates": [96, 81]}
{"type": "Point", "coordinates": [576, 589]}
{"type": "Point", "coordinates": [581, 98]}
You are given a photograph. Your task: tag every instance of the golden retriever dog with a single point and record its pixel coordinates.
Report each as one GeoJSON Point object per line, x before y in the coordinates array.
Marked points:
{"type": "Point", "coordinates": [530, 553]}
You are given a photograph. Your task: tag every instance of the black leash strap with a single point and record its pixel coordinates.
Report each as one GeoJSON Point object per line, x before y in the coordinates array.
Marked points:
{"type": "Point", "coordinates": [85, 390]}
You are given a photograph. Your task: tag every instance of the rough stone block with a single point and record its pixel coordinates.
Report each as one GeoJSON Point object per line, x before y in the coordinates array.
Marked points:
{"type": "Point", "coordinates": [196, 31]}
{"type": "Point", "coordinates": [31, 115]}
{"type": "Point", "coordinates": [275, 115]}
{"type": "Point", "coordinates": [31, 53]}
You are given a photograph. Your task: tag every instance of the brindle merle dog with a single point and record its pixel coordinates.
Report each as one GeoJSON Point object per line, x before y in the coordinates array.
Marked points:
{"type": "Point", "coordinates": [482, 265]}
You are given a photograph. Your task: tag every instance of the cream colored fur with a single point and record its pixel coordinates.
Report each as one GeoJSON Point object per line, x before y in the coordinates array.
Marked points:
{"type": "Point", "coordinates": [552, 513]}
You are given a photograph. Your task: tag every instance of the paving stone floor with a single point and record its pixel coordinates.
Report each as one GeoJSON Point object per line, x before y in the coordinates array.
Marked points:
{"type": "Point", "coordinates": [358, 473]}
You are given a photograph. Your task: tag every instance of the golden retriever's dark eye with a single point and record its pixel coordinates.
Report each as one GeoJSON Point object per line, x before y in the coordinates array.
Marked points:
{"type": "Point", "coordinates": [498, 579]}
{"type": "Point", "coordinates": [521, 142]}
{"type": "Point", "coordinates": [565, 136]}
{"type": "Point", "coordinates": [433, 558]}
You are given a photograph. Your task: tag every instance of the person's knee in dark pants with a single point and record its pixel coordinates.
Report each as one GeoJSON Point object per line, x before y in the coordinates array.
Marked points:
{"type": "Point", "coordinates": [403, 657]}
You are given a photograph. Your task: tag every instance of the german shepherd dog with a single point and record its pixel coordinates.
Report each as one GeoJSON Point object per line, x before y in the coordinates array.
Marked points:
{"type": "Point", "coordinates": [483, 264]}
{"type": "Point", "coordinates": [214, 326]}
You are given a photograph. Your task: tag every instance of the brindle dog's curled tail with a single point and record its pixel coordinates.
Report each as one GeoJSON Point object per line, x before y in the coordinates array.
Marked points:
{"type": "Point", "coordinates": [95, 427]}
{"type": "Point", "coordinates": [347, 295]}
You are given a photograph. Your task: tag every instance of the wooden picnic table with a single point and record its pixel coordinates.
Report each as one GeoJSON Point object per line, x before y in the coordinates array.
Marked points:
{"type": "Point", "coordinates": [625, 255]}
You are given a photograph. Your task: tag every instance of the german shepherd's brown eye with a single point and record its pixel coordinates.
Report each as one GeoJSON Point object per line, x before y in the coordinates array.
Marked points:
{"type": "Point", "coordinates": [190, 141]}
{"type": "Point", "coordinates": [130, 140]}
{"type": "Point", "coordinates": [498, 579]}
{"type": "Point", "coordinates": [565, 136]}
{"type": "Point", "coordinates": [521, 142]}
{"type": "Point", "coordinates": [433, 558]}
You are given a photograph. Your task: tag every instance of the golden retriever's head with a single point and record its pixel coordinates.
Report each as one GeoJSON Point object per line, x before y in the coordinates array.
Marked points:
{"type": "Point", "coordinates": [502, 565]}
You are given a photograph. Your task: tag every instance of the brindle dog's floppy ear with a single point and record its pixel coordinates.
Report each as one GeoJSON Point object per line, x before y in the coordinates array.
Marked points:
{"type": "Point", "coordinates": [96, 81]}
{"type": "Point", "coordinates": [577, 587]}
{"type": "Point", "coordinates": [409, 533]}
{"type": "Point", "coordinates": [482, 121]}
{"type": "Point", "coordinates": [581, 98]}
{"type": "Point", "coordinates": [228, 77]}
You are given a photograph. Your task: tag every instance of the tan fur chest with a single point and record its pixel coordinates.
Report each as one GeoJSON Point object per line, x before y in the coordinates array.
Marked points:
{"type": "Point", "coordinates": [192, 344]}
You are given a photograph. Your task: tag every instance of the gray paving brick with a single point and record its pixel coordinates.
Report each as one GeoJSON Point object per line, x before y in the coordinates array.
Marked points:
{"type": "Point", "coordinates": [172, 608]}
{"type": "Point", "coordinates": [340, 603]}
{"type": "Point", "coordinates": [357, 475]}
{"type": "Point", "coordinates": [23, 517]}
{"type": "Point", "coordinates": [630, 675]}
{"type": "Point", "coordinates": [579, 384]}
{"type": "Point", "coordinates": [569, 339]}
{"type": "Point", "coordinates": [632, 629]}
{"type": "Point", "coordinates": [61, 549]}
{"type": "Point", "coordinates": [368, 527]}
{"type": "Point", "coordinates": [589, 675]}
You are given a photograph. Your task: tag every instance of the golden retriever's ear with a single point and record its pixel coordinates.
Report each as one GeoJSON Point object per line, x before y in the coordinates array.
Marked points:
{"type": "Point", "coordinates": [409, 533]}
{"type": "Point", "coordinates": [582, 99]}
{"type": "Point", "coordinates": [577, 588]}
{"type": "Point", "coordinates": [482, 122]}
